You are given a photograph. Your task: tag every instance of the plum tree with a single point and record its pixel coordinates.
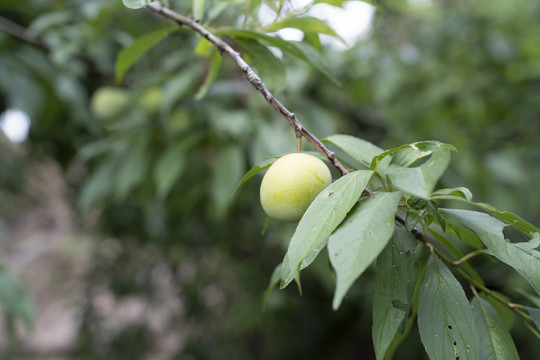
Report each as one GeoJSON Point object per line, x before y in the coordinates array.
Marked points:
{"type": "Point", "coordinates": [290, 185]}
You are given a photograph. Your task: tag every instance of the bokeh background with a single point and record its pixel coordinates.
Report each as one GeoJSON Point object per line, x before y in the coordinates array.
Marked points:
{"type": "Point", "coordinates": [121, 226]}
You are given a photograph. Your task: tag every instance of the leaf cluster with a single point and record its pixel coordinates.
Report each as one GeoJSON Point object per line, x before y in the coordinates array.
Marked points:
{"type": "Point", "coordinates": [416, 248]}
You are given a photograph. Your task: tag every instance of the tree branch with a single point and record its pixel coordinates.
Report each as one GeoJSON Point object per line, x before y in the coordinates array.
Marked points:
{"type": "Point", "coordinates": [251, 76]}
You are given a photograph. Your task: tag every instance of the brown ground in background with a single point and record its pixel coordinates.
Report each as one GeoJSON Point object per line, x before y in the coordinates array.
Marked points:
{"type": "Point", "coordinates": [44, 246]}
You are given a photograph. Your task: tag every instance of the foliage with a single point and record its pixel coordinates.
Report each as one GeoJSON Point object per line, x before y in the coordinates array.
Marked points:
{"type": "Point", "coordinates": [161, 176]}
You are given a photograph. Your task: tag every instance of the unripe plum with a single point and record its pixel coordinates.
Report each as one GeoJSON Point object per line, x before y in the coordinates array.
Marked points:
{"type": "Point", "coordinates": [108, 102]}
{"type": "Point", "coordinates": [291, 184]}
{"type": "Point", "coordinates": [150, 100]}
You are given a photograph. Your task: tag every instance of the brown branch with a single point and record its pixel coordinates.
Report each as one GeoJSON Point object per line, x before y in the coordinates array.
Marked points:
{"type": "Point", "coordinates": [251, 76]}
{"type": "Point", "coordinates": [254, 80]}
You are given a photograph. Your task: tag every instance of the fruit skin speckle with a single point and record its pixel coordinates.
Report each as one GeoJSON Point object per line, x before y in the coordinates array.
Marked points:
{"type": "Point", "coordinates": [290, 185]}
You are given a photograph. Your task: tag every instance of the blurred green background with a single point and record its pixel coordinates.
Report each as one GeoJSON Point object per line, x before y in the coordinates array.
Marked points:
{"type": "Point", "coordinates": [121, 221]}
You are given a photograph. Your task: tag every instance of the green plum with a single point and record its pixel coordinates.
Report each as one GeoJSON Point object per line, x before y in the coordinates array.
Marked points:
{"type": "Point", "coordinates": [108, 102]}
{"type": "Point", "coordinates": [290, 185]}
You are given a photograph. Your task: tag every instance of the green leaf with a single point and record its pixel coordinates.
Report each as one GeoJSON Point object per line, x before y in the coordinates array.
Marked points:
{"type": "Point", "coordinates": [445, 318]}
{"type": "Point", "coordinates": [360, 150]}
{"type": "Point", "coordinates": [524, 259]}
{"type": "Point", "coordinates": [420, 181]}
{"type": "Point", "coordinates": [99, 184]}
{"type": "Point", "coordinates": [448, 240]}
{"type": "Point", "coordinates": [131, 53]}
{"type": "Point", "coordinates": [229, 167]}
{"type": "Point", "coordinates": [15, 298]}
{"type": "Point", "coordinates": [458, 193]}
{"type": "Point", "coordinates": [131, 170]}
{"type": "Point", "coordinates": [204, 48]}
{"type": "Point", "coordinates": [324, 214]}
{"type": "Point", "coordinates": [360, 239]}
{"type": "Point", "coordinates": [532, 298]}
{"type": "Point", "coordinates": [506, 314]}
{"type": "Point", "coordinates": [49, 20]}
{"type": "Point", "coordinates": [136, 4]}
{"type": "Point", "coordinates": [213, 71]}
{"type": "Point", "coordinates": [495, 340]}
{"type": "Point", "coordinates": [198, 9]}
{"type": "Point", "coordinates": [377, 159]}
{"type": "Point", "coordinates": [464, 195]}
{"type": "Point", "coordinates": [274, 280]}
{"type": "Point", "coordinates": [268, 66]}
{"type": "Point", "coordinates": [297, 49]}
{"type": "Point", "coordinates": [218, 7]}
{"type": "Point", "coordinates": [412, 153]}
{"type": "Point", "coordinates": [337, 3]}
{"type": "Point", "coordinates": [177, 87]}
{"type": "Point", "coordinates": [252, 172]}
{"type": "Point", "coordinates": [433, 210]}
{"type": "Point", "coordinates": [406, 155]}
{"type": "Point", "coordinates": [535, 315]}
{"type": "Point", "coordinates": [306, 24]}
{"type": "Point", "coordinates": [397, 274]}
{"type": "Point", "coordinates": [512, 219]}
{"type": "Point", "coordinates": [169, 168]}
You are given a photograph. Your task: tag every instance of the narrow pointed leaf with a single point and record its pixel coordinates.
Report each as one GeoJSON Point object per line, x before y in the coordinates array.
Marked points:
{"type": "Point", "coordinates": [322, 217]}
{"type": "Point", "coordinates": [464, 195]}
{"type": "Point", "coordinates": [511, 218]}
{"type": "Point", "coordinates": [307, 24]}
{"type": "Point", "coordinates": [227, 172]}
{"type": "Point", "coordinates": [535, 315]}
{"type": "Point", "coordinates": [131, 171]}
{"type": "Point", "coordinates": [169, 168]}
{"type": "Point", "coordinates": [297, 49]}
{"type": "Point", "coordinates": [521, 256]}
{"type": "Point", "coordinates": [445, 318]}
{"type": "Point", "coordinates": [360, 239]}
{"type": "Point", "coordinates": [459, 193]}
{"type": "Point", "coordinates": [448, 240]}
{"type": "Point", "coordinates": [360, 150]}
{"type": "Point", "coordinates": [507, 315]}
{"type": "Point", "coordinates": [252, 172]}
{"type": "Point", "coordinates": [269, 67]}
{"type": "Point", "coordinates": [136, 4]}
{"type": "Point", "coordinates": [215, 61]}
{"type": "Point", "coordinates": [274, 280]}
{"type": "Point", "coordinates": [397, 274]}
{"type": "Point", "coordinates": [421, 180]}
{"type": "Point", "coordinates": [198, 9]}
{"type": "Point", "coordinates": [406, 155]}
{"type": "Point", "coordinates": [131, 53]}
{"type": "Point", "coordinates": [495, 340]}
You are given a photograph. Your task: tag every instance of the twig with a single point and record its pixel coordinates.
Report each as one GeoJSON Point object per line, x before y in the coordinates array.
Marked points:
{"type": "Point", "coordinates": [467, 257]}
{"type": "Point", "coordinates": [254, 80]}
{"type": "Point", "coordinates": [223, 47]}
{"type": "Point", "coordinates": [251, 76]}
